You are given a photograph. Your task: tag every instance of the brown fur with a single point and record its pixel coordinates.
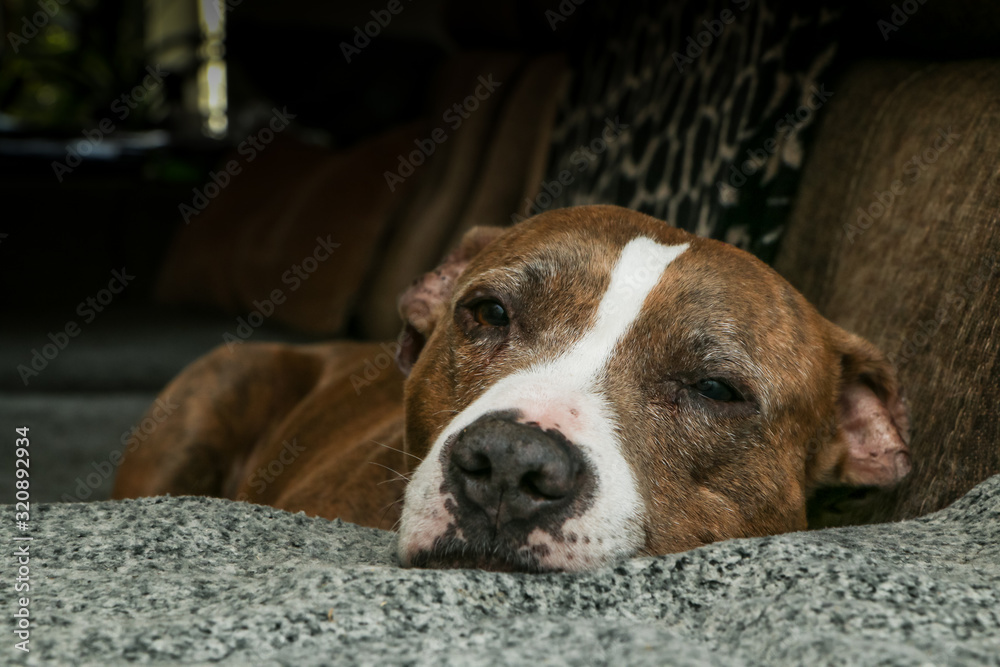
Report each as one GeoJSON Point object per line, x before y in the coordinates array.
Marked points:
{"type": "Point", "coordinates": [239, 407]}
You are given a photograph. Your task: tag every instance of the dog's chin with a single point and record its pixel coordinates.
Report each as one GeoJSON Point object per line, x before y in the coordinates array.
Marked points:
{"type": "Point", "coordinates": [455, 554]}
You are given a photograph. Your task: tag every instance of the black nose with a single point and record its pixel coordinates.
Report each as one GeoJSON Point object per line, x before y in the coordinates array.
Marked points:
{"type": "Point", "coordinates": [515, 472]}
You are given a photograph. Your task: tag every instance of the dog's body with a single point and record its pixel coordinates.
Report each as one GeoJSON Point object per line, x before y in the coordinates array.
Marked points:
{"type": "Point", "coordinates": [280, 425]}
{"type": "Point", "coordinates": [588, 385]}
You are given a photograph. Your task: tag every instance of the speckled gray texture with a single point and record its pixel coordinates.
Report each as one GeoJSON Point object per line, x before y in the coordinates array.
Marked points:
{"type": "Point", "coordinates": [199, 580]}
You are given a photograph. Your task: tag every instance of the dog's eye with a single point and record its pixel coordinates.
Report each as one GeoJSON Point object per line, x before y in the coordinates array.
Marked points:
{"type": "Point", "coordinates": [717, 390]}
{"type": "Point", "coordinates": [490, 314]}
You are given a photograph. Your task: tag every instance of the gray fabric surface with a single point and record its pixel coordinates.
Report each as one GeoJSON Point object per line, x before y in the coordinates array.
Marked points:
{"type": "Point", "coordinates": [202, 580]}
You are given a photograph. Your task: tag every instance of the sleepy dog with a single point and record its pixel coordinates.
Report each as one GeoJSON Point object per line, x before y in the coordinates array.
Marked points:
{"type": "Point", "coordinates": [586, 386]}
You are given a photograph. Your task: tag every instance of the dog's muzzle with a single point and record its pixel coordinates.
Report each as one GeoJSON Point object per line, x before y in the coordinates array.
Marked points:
{"type": "Point", "coordinates": [507, 483]}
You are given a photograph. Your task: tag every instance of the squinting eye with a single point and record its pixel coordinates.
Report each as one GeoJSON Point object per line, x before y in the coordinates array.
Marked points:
{"type": "Point", "coordinates": [717, 390]}
{"type": "Point", "coordinates": [490, 314]}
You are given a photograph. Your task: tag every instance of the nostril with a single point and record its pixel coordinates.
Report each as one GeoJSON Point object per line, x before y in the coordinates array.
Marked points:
{"type": "Point", "coordinates": [552, 482]}
{"type": "Point", "coordinates": [477, 473]}
{"type": "Point", "coordinates": [473, 464]}
{"type": "Point", "coordinates": [529, 487]}
{"type": "Point", "coordinates": [535, 487]}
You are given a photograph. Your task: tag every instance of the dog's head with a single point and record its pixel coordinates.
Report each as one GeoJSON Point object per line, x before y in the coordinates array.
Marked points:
{"type": "Point", "coordinates": [593, 384]}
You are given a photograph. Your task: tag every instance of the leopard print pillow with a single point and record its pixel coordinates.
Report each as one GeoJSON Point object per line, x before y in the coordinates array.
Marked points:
{"type": "Point", "coordinates": [694, 112]}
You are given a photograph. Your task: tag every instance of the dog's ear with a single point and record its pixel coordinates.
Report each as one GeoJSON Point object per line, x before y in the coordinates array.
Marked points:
{"type": "Point", "coordinates": [872, 430]}
{"type": "Point", "coordinates": [426, 300]}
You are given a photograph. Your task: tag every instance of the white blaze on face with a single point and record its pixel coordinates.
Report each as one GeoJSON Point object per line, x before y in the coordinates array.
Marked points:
{"type": "Point", "coordinates": [565, 394]}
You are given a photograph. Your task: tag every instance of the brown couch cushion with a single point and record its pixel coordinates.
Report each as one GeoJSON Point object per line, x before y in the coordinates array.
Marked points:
{"type": "Point", "coordinates": [895, 237]}
{"type": "Point", "coordinates": [294, 200]}
{"type": "Point", "coordinates": [278, 214]}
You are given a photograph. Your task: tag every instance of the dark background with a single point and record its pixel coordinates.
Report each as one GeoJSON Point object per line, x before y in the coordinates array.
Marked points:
{"type": "Point", "coordinates": [62, 237]}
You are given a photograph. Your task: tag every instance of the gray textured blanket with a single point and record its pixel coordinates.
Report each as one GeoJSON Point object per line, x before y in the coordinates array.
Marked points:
{"type": "Point", "coordinates": [181, 580]}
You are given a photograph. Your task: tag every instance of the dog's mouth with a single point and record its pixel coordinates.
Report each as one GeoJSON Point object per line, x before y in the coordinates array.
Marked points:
{"type": "Point", "coordinates": [452, 553]}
